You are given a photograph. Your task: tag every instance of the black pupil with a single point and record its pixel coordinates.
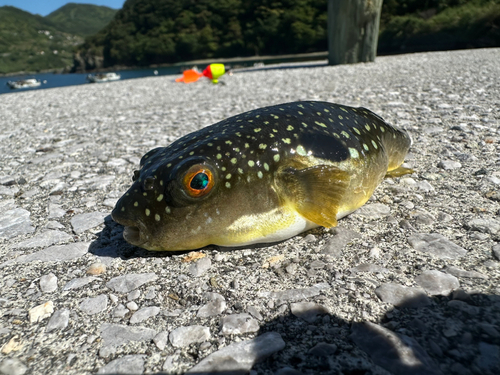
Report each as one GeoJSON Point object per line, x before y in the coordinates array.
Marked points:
{"type": "Point", "coordinates": [199, 182]}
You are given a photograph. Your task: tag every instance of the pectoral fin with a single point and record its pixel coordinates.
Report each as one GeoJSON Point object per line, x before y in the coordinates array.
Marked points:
{"type": "Point", "coordinates": [315, 192]}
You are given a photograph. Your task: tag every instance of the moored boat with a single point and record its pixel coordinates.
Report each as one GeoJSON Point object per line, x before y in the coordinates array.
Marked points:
{"type": "Point", "coordinates": [103, 77]}
{"type": "Point", "coordinates": [24, 83]}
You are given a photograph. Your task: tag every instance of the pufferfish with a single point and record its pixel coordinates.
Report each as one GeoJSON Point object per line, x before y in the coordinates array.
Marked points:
{"type": "Point", "coordinates": [260, 177]}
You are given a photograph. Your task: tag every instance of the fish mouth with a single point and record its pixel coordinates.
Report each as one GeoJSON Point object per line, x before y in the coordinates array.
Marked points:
{"type": "Point", "coordinates": [133, 235]}
{"type": "Point", "coordinates": [131, 232]}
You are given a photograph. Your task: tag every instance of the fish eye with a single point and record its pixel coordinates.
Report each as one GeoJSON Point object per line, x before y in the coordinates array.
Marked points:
{"type": "Point", "coordinates": [198, 181]}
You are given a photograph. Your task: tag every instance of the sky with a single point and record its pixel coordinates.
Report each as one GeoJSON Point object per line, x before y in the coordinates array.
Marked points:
{"type": "Point", "coordinates": [45, 7]}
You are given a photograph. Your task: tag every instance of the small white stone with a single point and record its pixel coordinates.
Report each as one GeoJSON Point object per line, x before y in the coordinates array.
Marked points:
{"type": "Point", "coordinates": [41, 312]}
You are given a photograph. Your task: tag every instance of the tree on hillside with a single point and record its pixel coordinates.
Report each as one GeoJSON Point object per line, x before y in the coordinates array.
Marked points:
{"type": "Point", "coordinates": [353, 30]}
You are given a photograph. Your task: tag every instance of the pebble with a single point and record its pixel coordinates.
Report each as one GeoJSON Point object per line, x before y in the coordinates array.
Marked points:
{"type": "Point", "coordinates": [287, 371]}
{"type": "Point", "coordinates": [369, 267]}
{"type": "Point", "coordinates": [199, 267]}
{"type": "Point", "coordinates": [455, 271]}
{"type": "Point", "coordinates": [436, 245]}
{"type": "Point", "coordinates": [237, 324]}
{"type": "Point", "coordinates": [496, 251]}
{"type": "Point", "coordinates": [425, 186]}
{"type": "Point", "coordinates": [86, 221]}
{"type": "Point", "coordinates": [150, 293]}
{"type": "Point", "coordinates": [133, 295]}
{"type": "Point", "coordinates": [144, 314]}
{"type": "Point", "coordinates": [47, 238]}
{"type": "Point", "coordinates": [120, 311]}
{"type": "Point", "coordinates": [55, 211]}
{"type": "Point", "coordinates": [132, 306]}
{"type": "Point", "coordinates": [94, 305]}
{"type": "Point", "coordinates": [15, 344]}
{"type": "Point", "coordinates": [79, 282]}
{"type": "Point", "coordinates": [396, 353]}
{"type": "Point", "coordinates": [437, 283]}
{"type": "Point", "coordinates": [444, 217]}
{"type": "Point", "coordinates": [96, 268]}
{"type": "Point", "coordinates": [128, 364]}
{"type": "Point", "coordinates": [292, 295]}
{"type": "Point", "coordinates": [41, 312]}
{"type": "Point", "coordinates": [58, 321]}
{"type": "Point", "coordinates": [490, 226]}
{"type": "Point", "coordinates": [161, 340]}
{"type": "Point", "coordinates": [114, 335]}
{"type": "Point", "coordinates": [57, 253]}
{"type": "Point", "coordinates": [240, 357]}
{"type": "Point", "coordinates": [488, 360]}
{"type": "Point", "coordinates": [129, 282]}
{"type": "Point", "coordinates": [14, 223]}
{"type": "Point", "coordinates": [215, 306]}
{"type": "Point", "coordinates": [185, 336]}
{"type": "Point", "coordinates": [13, 366]}
{"type": "Point", "coordinates": [308, 311]}
{"type": "Point", "coordinates": [168, 365]}
{"type": "Point", "coordinates": [341, 237]}
{"type": "Point", "coordinates": [323, 349]}
{"type": "Point", "coordinates": [48, 283]}
{"type": "Point", "coordinates": [374, 211]}
{"type": "Point", "coordinates": [402, 296]}
{"type": "Point", "coordinates": [252, 310]}
{"type": "Point", "coordinates": [449, 165]}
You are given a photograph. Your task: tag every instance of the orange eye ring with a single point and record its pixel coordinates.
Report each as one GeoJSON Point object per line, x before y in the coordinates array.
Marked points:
{"type": "Point", "coordinates": [198, 181]}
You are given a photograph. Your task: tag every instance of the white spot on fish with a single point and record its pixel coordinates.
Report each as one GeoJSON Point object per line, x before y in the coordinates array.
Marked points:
{"type": "Point", "coordinates": [276, 158]}
{"type": "Point", "coordinates": [157, 217]}
{"type": "Point", "coordinates": [374, 144]}
{"type": "Point", "coordinates": [301, 150]}
{"type": "Point", "coordinates": [160, 198]}
{"type": "Point", "coordinates": [147, 212]}
{"type": "Point", "coordinates": [251, 163]}
{"type": "Point", "coordinates": [354, 153]}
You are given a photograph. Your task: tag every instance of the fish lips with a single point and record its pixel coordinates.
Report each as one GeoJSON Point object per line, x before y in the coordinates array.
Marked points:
{"type": "Point", "coordinates": [134, 232]}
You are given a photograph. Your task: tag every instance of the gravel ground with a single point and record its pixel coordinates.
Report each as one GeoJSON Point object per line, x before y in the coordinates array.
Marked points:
{"type": "Point", "coordinates": [409, 284]}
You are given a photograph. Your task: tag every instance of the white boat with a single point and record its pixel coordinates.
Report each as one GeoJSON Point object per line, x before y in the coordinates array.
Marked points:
{"type": "Point", "coordinates": [24, 83]}
{"type": "Point", "coordinates": [103, 77]}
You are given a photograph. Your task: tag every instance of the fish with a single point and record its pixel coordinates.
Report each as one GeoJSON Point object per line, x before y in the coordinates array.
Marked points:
{"type": "Point", "coordinates": [262, 176]}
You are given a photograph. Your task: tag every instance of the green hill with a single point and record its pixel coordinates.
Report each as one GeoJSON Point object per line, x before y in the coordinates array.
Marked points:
{"type": "Point", "coordinates": [32, 43]}
{"type": "Point", "coordinates": [81, 19]}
